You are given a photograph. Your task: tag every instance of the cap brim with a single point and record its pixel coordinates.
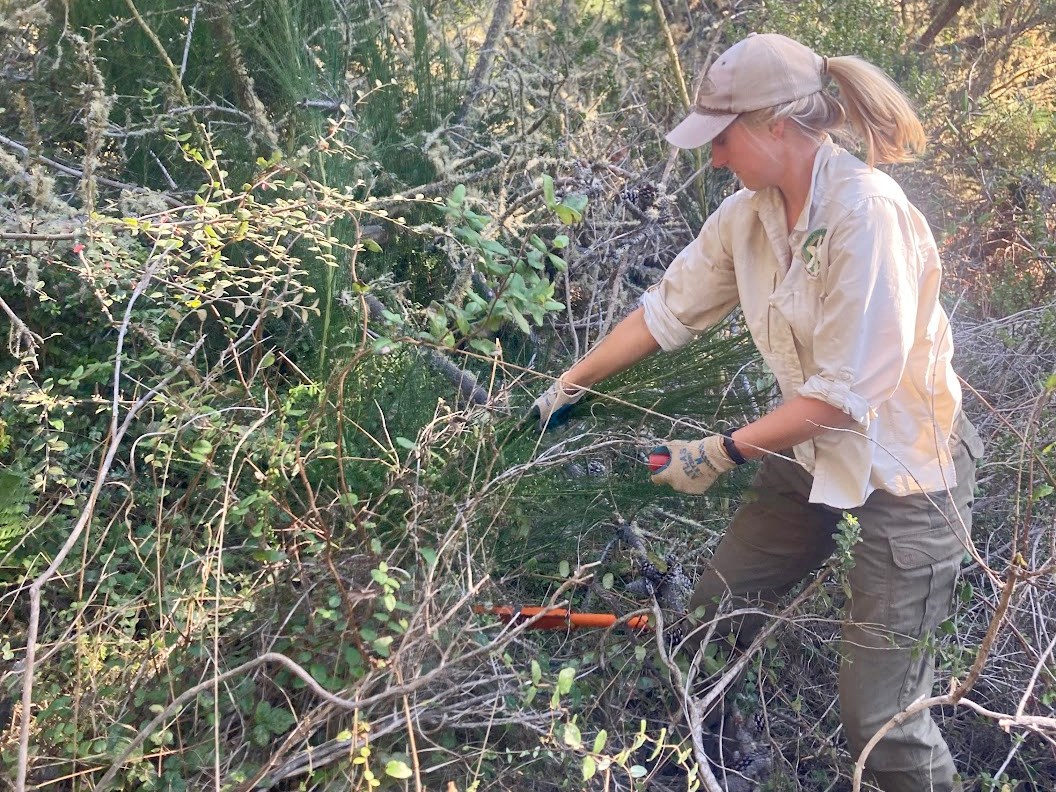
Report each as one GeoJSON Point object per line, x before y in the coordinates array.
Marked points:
{"type": "Point", "coordinates": [698, 129]}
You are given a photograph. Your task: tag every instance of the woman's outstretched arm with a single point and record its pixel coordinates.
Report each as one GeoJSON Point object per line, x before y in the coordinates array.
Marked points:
{"type": "Point", "coordinates": [629, 342]}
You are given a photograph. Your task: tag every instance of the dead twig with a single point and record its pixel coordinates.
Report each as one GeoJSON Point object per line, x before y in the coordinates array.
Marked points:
{"type": "Point", "coordinates": [118, 429]}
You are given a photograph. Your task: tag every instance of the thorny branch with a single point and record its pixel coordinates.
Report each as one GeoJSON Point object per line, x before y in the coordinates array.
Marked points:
{"type": "Point", "coordinates": [357, 704]}
{"type": "Point", "coordinates": [118, 428]}
{"type": "Point", "coordinates": [78, 173]}
{"type": "Point", "coordinates": [21, 340]}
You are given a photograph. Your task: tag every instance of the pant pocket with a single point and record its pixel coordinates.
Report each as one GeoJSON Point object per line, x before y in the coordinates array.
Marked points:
{"type": "Point", "coordinates": [924, 577]}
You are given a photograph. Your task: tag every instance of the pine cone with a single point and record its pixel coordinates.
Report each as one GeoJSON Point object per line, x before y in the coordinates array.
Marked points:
{"type": "Point", "coordinates": [674, 588]}
{"type": "Point", "coordinates": [641, 196]}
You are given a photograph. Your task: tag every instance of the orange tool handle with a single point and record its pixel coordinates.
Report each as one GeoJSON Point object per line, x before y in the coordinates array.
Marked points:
{"type": "Point", "coordinates": [561, 619]}
{"type": "Point", "coordinates": [657, 460]}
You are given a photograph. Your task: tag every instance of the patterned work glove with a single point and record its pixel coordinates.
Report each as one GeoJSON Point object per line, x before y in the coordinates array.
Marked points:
{"type": "Point", "coordinates": [554, 405]}
{"type": "Point", "coordinates": [695, 465]}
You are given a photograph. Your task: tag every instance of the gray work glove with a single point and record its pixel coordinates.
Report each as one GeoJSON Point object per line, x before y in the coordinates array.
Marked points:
{"type": "Point", "coordinates": [694, 466]}
{"type": "Point", "coordinates": [553, 406]}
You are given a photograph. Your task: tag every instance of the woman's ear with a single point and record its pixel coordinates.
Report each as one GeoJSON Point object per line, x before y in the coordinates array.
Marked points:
{"type": "Point", "coordinates": [777, 128]}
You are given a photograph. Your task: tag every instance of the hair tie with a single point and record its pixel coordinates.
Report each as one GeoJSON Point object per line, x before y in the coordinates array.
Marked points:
{"type": "Point", "coordinates": [824, 65]}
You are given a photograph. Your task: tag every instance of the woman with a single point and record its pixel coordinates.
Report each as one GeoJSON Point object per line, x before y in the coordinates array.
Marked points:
{"type": "Point", "coordinates": [837, 275]}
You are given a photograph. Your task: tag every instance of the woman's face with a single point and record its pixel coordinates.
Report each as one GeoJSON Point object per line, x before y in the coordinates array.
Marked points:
{"type": "Point", "coordinates": [751, 153]}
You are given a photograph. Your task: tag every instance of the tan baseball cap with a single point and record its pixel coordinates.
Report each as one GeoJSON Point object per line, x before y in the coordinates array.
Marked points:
{"type": "Point", "coordinates": [762, 70]}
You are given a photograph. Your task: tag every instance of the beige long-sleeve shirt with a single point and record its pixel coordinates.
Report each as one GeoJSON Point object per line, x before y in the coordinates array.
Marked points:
{"type": "Point", "coordinates": [845, 309]}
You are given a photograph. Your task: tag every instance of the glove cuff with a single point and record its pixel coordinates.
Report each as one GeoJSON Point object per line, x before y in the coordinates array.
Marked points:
{"type": "Point", "coordinates": [731, 448]}
{"type": "Point", "coordinates": [713, 453]}
{"type": "Point", "coordinates": [569, 391]}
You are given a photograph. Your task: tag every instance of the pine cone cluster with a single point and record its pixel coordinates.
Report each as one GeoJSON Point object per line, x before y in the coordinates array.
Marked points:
{"type": "Point", "coordinates": [671, 588]}
{"type": "Point", "coordinates": [641, 196]}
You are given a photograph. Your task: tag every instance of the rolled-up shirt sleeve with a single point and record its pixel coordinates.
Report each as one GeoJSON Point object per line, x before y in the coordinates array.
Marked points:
{"type": "Point", "coordinates": [868, 321]}
{"type": "Point", "coordinates": [698, 289]}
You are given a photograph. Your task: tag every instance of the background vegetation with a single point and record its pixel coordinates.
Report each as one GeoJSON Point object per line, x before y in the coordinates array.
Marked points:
{"type": "Point", "coordinates": [281, 278]}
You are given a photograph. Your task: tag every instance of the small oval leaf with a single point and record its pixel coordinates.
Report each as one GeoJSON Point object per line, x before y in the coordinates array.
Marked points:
{"type": "Point", "coordinates": [573, 738]}
{"type": "Point", "coordinates": [590, 767]}
{"type": "Point", "coordinates": [398, 769]}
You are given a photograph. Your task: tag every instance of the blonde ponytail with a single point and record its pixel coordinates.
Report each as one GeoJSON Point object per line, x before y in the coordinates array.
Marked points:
{"type": "Point", "coordinates": [870, 109]}
{"type": "Point", "coordinates": [878, 111]}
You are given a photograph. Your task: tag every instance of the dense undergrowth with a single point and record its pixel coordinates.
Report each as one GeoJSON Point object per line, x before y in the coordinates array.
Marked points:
{"type": "Point", "coordinates": [281, 280]}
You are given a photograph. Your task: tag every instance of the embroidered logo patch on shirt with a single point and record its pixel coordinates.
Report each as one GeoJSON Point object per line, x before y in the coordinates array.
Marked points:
{"type": "Point", "coordinates": [810, 250]}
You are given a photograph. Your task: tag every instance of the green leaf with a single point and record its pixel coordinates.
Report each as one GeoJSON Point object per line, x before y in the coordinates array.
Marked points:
{"type": "Point", "coordinates": [428, 555]}
{"type": "Point", "coordinates": [577, 202]}
{"type": "Point", "coordinates": [599, 741]}
{"type": "Point", "coordinates": [275, 720]}
{"type": "Point", "coordinates": [1042, 491]}
{"type": "Point", "coordinates": [462, 322]}
{"type": "Point", "coordinates": [607, 580]}
{"type": "Point", "coordinates": [590, 767]}
{"type": "Point", "coordinates": [659, 744]}
{"type": "Point", "coordinates": [637, 771]}
{"type": "Point", "coordinates": [398, 769]}
{"type": "Point", "coordinates": [548, 191]}
{"type": "Point", "coordinates": [562, 569]}
{"type": "Point", "coordinates": [535, 259]}
{"type": "Point", "coordinates": [560, 241]}
{"type": "Point", "coordinates": [383, 345]}
{"type": "Point", "coordinates": [570, 210]}
{"type": "Point", "coordinates": [573, 738]}
{"type": "Point", "coordinates": [382, 645]}
{"type": "Point", "coordinates": [565, 677]}
{"type": "Point", "coordinates": [458, 195]}
{"type": "Point", "coordinates": [566, 215]}
{"type": "Point", "coordinates": [519, 319]}
{"type": "Point", "coordinates": [537, 672]}
{"type": "Point", "coordinates": [259, 735]}
{"type": "Point", "coordinates": [483, 345]}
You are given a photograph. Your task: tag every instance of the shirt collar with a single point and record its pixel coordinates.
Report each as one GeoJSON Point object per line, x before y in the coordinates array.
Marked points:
{"type": "Point", "coordinates": [769, 199]}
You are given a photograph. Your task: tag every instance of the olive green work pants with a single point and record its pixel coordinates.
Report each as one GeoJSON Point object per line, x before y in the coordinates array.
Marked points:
{"type": "Point", "coordinates": [901, 584]}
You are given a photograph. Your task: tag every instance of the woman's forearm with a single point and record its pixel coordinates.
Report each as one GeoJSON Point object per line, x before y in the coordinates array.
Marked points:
{"type": "Point", "coordinates": [629, 342]}
{"type": "Point", "coordinates": [796, 421]}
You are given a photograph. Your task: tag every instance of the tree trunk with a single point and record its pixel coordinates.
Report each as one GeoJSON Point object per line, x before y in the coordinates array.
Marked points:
{"type": "Point", "coordinates": [500, 20]}
{"type": "Point", "coordinates": [224, 29]}
{"type": "Point", "coordinates": [940, 22]}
